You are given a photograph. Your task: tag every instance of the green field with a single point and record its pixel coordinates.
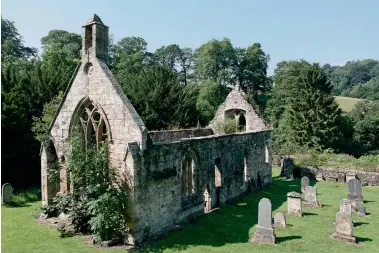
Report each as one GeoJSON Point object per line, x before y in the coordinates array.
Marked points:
{"type": "Point", "coordinates": [346, 103]}
{"type": "Point", "coordinates": [225, 230]}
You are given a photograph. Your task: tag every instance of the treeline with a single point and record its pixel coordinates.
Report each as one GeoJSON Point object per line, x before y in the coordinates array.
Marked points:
{"type": "Point", "coordinates": [359, 79]}
{"type": "Point", "coordinates": [174, 87]}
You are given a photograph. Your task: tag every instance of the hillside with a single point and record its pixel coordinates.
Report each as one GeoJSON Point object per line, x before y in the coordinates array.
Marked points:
{"type": "Point", "coordinates": [347, 103]}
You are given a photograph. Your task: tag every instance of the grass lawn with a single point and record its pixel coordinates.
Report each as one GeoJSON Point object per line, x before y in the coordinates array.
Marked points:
{"type": "Point", "coordinates": [346, 103]}
{"type": "Point", "coordinates": [224, 230]}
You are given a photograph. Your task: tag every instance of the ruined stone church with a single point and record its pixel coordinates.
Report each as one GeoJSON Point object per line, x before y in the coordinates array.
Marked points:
{"type": "Point", "coordinates": [174, 175]}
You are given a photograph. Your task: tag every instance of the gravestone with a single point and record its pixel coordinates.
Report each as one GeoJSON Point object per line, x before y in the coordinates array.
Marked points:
{"type": "Point", "coordinates": [264, 232]}
{"type": "Point", "coordinates": [361, 209]}
{"type": "Point", "coordinates": [304, 183]}
{"type": "Point", "coordinates": [6, 193]}
{"type": "Point", "coordinates": [344, 228]}
{"type": "Point", "coordinates": [310, 197]}
{"type": "Point", "coordinates": [345, 206]}
{"type": "Point", "coordinates": [280, 220]}
{"type": "Point", "coordinates": [294, 203]}
{"type": "Point", "coordinates": [288, 165]}
{"type": "Point", "coordinates": [319, 177]}
{"type": "Point", "coordinates": [349, 176]}
{"type": "Point", "coordinates": [355, 192]}
{"type": "Point", "coordinates": [341, 178]}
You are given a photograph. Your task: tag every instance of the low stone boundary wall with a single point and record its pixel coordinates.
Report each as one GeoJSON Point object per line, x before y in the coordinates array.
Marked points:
{"type": "Point", "coordinates": [367, 178]}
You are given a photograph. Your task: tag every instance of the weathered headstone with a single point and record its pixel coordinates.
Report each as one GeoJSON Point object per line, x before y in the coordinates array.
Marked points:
{"type": "Point", "coordinates": [310, 197]}
{"type": "Point", "coordinates": [288, 165]}
{"type": "Point", "coordinates": [355, 192]}
{"type": "Point", "coordinates": [349, 176]}
{"type": "Point", "coordinates": [344, 228]}
{"type": "Point", "coordinates": [6, 193]}
{"type": "Point", "coordinates": [264, 232]}
{"type": "Point", "coordinates": [341, 177]}
{"type": "Point", "coordinates": [345, 206]}
{"type": "Point", "coordinates": [294, 203]}
{"type": "Point", "coordinates": [319, 177]}
{"type": "Point", "coordinates": [361, 209]}
{"type": "Point", "coordinates": [280, 220]}
{"type": "Point", "coordinates": [304, 183]}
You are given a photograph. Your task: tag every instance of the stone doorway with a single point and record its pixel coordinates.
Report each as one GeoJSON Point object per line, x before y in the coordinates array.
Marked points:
{"type": "Point", "coordinates": [207, 200]}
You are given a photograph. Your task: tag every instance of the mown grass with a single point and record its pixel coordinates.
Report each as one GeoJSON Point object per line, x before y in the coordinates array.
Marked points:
{"type": "Point", "coordinates": [346, 103]}
{"type": "Point", "coordinates": [225, 230]}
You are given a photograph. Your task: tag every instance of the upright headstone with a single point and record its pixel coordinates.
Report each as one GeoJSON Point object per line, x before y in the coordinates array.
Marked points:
{"type": "Point", "coordinates": [294, 203]}
{"type": "Point", "coordinates": [344, 228]}
{"type": "Point", "coordinates": [288, 165]}
{"type": "Point", "coordinates": [350, 175]}
{"type": "Point", "coordinates": [345, 206]}
{"type": "Point", "coordinates": [280, 220]}
{"type": "Point", "coordinates": [310, 197]}
{"type": "Point", "coordinates": [355, 192]}
{"type": "Point", "coordinates": [341, 177]}
{"type": "Point", "coordinates": [264, 232]}
{"type": "Point", "coordinates": [6, 193]}
{"type": "Point", "coordinates": [304, 183]}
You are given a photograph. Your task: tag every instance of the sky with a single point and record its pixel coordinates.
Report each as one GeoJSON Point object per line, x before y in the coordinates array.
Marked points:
{"type": "Point", "coordinates": [324, 31]}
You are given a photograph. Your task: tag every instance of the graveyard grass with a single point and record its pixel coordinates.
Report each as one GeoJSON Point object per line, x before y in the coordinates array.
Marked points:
{"type": "Point", "coordinates": [225, 230]}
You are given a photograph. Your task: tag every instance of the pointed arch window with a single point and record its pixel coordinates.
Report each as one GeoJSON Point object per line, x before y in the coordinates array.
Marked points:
{"type": "Point", "coordinates": [93, 124]}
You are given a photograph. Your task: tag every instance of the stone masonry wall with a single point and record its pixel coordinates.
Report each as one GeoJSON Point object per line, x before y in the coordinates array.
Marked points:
{"type": "Point", "coordinates": [367, 178]}
{"type": "Point", "coordinates": [159, 201]}
{"type": "Point", "coordinates": [174, 135]}
{"type": "Point", "coordinates": [235, 100]}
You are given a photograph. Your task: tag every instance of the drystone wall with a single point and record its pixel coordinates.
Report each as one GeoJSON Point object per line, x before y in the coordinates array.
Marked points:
{"type": "Point", "coordinates": [159, 201]}
{"type": "Point", "coordinates": [367, 178]}
{"type": "Point", "coordinates": [175, 135]}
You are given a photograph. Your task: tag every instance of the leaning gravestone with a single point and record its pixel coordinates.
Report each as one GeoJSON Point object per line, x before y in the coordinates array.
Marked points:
{"type": "Point", "coordinates": [310, 197]}
{"type": "Point", "coordinates": [6, 193]}
{"type": "Point", "coordinates": [344, 228]}
{"type": "Point", "coordinates": [345, 206]}
{"type": "Point", "coordinates": [279, 220]}
{"type": "Point", "coordinates": [294, 203]}
{"type": "Point", "coordinates": [355, 192]}
{"type": "Point", "coordinates": [264, 232]}
{"type": "Point", "coordinates": [304, 183]}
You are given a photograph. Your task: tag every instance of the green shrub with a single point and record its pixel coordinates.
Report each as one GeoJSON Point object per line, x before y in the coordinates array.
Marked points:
{"type": "Point", "coordinates": [227, 126]}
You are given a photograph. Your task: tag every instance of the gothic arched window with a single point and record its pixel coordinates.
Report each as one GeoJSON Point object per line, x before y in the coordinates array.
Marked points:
{"type": "Point", "coordinates": [93, 124]}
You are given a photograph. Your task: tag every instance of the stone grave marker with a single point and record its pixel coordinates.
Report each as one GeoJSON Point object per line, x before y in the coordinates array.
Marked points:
{"type": "Point", "coordinates": [280, 220]}
{"type": "Point", "coordinates": [287, 167]}
{"type": "Point", "coordinates": [310, 197]}
{"type": "Point", "coordinates": [345, 206]}
{"type": "Point", "coordinates": [264, 232]}
{"type": "Point", "coordinates": [361, 209]}
{"type": "Point", "coordinates": [349, 176]}
{"type": "Point", "coordinates": [6, 193]}
{"type": "Point", "coordinates": [341, 178]}
{"type": "Point", "coordinates": [344, 228]}
{"type": "Point", "coordinates": [294, 203]}
{"type": "Point", "coordinates": [304, 183]}
{"type": "Point", "coordinates": [355, 192]}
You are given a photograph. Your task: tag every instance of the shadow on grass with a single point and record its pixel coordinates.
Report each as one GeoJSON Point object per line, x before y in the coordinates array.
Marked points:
{"type": "Point", "coordinates": [357, 224]}
{"type": "Point", "coordinates": [363, 239]}
{"type": "Point", "coordinates": [15, 204]}
{"type": "Point", "coordinates": [368, 201]}
{"type": "Point", "coordinates": [229, 224]}
{"type": "Point", "coordinates": [309, 214]}
{"type": "Point", "coordinates": [287, 238]}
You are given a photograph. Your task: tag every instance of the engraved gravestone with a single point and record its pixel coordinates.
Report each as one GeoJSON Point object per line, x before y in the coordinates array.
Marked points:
{"type": "Point", "coordinates": [287, 167]}
{"type": "Point", "coordinates": [344, 228]}
{"type": "Point", "coordinates": [6, 193]}
{"type": "Point", "coordinates": [310, 197]}
{"type": "Point", "coordinates": [294, 203]}
{"type": "Point", "coordinates": [279, 220]}
{"type": "Point", "coordinates": [304, 183]}
{"type": "Point", "coordinates": [355, 192]}
{"type": "Point", "coordinates": [264, 232]}
{"type": "Point", "coordinates": [345, 206]}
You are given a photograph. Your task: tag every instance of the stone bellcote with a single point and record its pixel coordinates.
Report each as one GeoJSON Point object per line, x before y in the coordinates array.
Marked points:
{"type": "Point", "coordinates": [94, 38]}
